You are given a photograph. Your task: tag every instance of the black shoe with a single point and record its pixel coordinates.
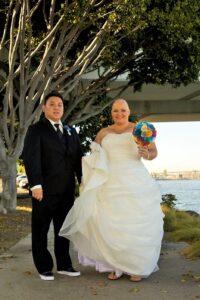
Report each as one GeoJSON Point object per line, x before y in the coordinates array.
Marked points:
{"type": "Point", "coordinates": [47, 276]}
{"type": "Point", "coordinates": [69, 272]}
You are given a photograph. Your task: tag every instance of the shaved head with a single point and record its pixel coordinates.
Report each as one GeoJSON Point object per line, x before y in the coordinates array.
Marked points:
{"type": "Point", "coordinates": [120, 102]}
{"type": "Point", "coordinates": [120, 111]}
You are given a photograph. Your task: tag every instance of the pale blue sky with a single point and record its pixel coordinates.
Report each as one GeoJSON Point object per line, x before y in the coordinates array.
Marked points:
{"type": "Point", "coordinates": [178, 146]}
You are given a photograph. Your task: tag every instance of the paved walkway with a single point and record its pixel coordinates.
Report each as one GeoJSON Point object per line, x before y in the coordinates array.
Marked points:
{"type": "Point", "coordinates": [177, 279]}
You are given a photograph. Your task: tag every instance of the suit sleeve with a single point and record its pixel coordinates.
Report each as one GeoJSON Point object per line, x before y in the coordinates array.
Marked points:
{"type": "Point", "coordinates": [32, 156]}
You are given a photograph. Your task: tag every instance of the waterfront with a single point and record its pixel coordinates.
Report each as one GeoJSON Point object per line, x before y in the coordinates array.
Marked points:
{"type": "Point", "coordinates": [187, 193]}
{"type": "Point", "coordinates": [177, 175]}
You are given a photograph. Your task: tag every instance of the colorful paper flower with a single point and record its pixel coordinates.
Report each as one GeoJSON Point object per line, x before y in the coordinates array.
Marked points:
{"type": "Point", "coordinates": [144, 133]}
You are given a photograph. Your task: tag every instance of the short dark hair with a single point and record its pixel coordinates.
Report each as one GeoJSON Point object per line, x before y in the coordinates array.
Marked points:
{"type": "Point", "coordinates": [53, 94]}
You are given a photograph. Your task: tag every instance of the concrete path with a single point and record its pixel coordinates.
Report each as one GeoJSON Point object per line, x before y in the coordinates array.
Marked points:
{"type": "Point", "coordinates": [177, 279]}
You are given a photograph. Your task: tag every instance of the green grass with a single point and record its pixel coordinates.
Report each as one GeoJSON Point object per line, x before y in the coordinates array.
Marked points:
{"type": "Point", "coordinates": [192, 251]}
{"type": "Point", "coordinates": [181, 226]}
{"type": "Point", "coordinates": [186, 234]}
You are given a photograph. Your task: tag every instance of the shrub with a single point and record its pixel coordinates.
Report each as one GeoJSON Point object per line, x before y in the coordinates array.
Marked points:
{"type": "Point", "coordinates": [181, 226]}
{"type": "Point", "coordinates": [186, 234]}
{"type": "Point", "coordinates": [170, 220]}
{"type": "Point", "coordinates": [169, 200]}
{"type": "Point", "coordinates": [192, 251]}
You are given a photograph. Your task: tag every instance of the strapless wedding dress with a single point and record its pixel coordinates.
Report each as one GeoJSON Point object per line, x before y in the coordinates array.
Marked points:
{"type": "Point", "coordinates": [116, 224]}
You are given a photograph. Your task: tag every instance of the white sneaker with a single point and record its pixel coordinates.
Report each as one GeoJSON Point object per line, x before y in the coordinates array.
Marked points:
{"type": "Point", "coordinates": [69, 272]}
{"type": "Point", "coordinates": [47, 276]}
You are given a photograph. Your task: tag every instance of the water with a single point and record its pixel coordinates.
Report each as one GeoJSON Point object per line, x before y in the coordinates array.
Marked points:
{"type": "Point", "coordinates": [187, 193]}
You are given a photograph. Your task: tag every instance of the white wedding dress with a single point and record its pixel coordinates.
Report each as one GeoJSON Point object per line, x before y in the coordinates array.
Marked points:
{"type": "Point", "coordinates": [116, 224]}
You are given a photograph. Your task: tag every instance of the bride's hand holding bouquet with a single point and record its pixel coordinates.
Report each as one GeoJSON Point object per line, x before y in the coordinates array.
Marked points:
{"type": "Point", "coordinates": [144, 134]}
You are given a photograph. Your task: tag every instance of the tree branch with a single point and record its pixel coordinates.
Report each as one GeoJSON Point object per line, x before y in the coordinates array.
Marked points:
{"type": "Point", "coordinates": [6, 25]}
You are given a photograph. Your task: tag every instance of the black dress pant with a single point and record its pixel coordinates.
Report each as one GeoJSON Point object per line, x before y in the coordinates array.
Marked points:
{"type": "Point", "coordinates": [51, 208]}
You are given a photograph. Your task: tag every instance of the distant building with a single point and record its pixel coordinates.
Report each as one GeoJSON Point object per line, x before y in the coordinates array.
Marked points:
{"type": "Point", "coordinates": [176, 175]}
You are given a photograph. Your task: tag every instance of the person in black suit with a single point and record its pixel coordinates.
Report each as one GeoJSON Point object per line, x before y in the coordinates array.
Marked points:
{"type": "Point", "coordinates": [52, 157]}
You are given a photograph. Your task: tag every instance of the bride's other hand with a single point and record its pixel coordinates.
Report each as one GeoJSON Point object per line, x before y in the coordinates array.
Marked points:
{"type": "Point", "coordinates": [148, 152]}
{"type": "Point", "coordinates": [143, 151]}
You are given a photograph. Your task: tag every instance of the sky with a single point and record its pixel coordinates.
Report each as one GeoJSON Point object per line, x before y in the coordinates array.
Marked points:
{"type": "Point", "coordinates": [178, 145]}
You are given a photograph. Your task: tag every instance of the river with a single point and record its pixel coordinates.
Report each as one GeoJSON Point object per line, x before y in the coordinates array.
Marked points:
{"type": "Point", "coordinates": [187, 193]}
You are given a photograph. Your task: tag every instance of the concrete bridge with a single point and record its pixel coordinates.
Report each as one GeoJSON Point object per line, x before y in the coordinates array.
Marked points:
{"type": "Point", "coordinates": [157, 103]}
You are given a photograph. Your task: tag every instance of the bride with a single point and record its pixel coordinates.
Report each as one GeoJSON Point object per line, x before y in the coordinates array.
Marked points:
{"type": "Point", "coordinates": [116, 224]}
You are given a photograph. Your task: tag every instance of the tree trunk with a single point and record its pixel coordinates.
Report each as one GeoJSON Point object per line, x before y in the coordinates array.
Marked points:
{"type": "Point", "coordinates": [8, 200]}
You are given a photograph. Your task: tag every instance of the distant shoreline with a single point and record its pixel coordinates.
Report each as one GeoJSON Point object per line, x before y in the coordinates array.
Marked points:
{"type": "Point", "coordinates": [176, 178]}
{"type": "Point", "coordinates": [178, 175]}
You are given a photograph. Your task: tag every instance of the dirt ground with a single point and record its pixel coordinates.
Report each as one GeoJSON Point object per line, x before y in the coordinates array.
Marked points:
{"type": "Point", "coordinates": [16, 225]}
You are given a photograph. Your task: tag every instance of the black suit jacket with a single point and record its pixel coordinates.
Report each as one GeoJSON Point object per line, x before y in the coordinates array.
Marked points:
{"type": "Point", "coordinates": [50, 162]}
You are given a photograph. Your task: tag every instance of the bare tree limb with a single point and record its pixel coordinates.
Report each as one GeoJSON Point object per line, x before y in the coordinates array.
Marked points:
{"type": "Point", "coordinates": [6, 24]}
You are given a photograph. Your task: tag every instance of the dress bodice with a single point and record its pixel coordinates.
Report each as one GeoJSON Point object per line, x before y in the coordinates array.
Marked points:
{"type": "Point", "coordinates": [120, 147]}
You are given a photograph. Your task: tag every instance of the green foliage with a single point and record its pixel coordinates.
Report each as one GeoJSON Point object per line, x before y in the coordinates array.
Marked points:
{"type": "Point", "coordinates": [186, 234]}
{"type": "Point", "coordinates": [170, 220]}
{"type": "Point", "coordinates": [179, 220]}
{"type": "Point", "coordinates": [165, 48]}
{"type": "Point", "coordinates": [77, 191]}
{"type": "Point", "coordinates": [186, 220]}
{"type": "Point", "coordinates": [152, 41]}
{"type": "Point", "coordinates": [169, 200]}
{"type": "Point", "coordinates": [181, 226]}
{"type": "Point", "coordinates": [20, 167]}
{"type": "Point", "coordinates": [193, 250]}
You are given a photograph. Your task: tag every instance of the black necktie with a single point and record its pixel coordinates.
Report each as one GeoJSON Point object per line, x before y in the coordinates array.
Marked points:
{"type": "Point", "coordinates": [59, 133]}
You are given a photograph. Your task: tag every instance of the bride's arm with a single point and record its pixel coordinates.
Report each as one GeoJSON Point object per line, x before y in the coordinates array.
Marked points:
{"type": "Point", "coordinates": [153, 152]}
{"type": "Point", "coordinates": [100, 135]}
